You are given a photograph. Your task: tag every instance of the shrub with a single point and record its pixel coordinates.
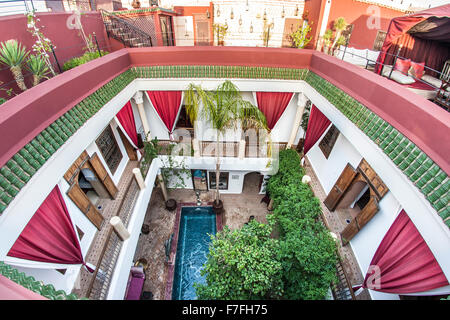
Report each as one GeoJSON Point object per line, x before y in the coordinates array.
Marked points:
{"type": "Point", "coordinates": [75, 62]}
{"type": "Point", "coordinates": [242, 265]}
{"type": "Point", "coordinates": [300, 264]}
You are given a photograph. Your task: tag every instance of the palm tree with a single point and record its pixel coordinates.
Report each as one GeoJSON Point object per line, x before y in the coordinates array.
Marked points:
{"type": "Point", "coordinates": [13, 55]}
{"type": "Point", "coordinates": [339, 25]}
{"type": "Point", "coordinates": [224, 108]}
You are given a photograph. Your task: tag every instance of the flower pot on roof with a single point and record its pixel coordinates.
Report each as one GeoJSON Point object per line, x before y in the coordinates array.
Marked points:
{"type": "Point", "coordinates": [171, 204]}
{"type": "Point", "coordinates": [136, 4]}
{"type": "Point", "coordinates": [218, 206]}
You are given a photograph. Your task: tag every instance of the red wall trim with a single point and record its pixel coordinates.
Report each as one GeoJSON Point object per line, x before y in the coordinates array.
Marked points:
{"type": "Point", "coordinates": [424, 123]}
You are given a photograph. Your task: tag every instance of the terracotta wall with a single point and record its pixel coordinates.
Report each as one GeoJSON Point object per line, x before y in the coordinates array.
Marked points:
{"type": "Point", "coordinates": [192, 11]}
{"type": "Point", "coordinates": [67, 42]}
{"type": "Point", "coordinates": [354, 12]}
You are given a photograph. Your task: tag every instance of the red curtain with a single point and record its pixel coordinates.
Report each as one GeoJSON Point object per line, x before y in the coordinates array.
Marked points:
{"type": "Point", "coordinates": [49, 236]}
{"type": "Point", "coordinates": [126, 119]}
{"type": "Point", "coordinates": [403, 263]}
{"type": "Point", "coordinates": [273, 104]}
{"type": "Point", "coordinates": [167, 105]}
{"type": "Point", "coordinates": [317, 124]}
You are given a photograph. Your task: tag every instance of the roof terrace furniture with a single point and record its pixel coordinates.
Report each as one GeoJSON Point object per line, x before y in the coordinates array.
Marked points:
{"type": "Point", "coordinates": [358, 57]}
{"type": "Point", "coordinates": [135, 283]}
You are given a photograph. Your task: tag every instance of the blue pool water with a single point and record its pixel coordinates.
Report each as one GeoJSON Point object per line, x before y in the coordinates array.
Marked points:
{"type": "Point", "coordinates": [193, 246]}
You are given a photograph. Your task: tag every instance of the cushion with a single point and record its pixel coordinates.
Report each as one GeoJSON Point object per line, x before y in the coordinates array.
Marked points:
{"type": "Point", "coordinates": [432, 80]}
{"type": "Point", "coordinates": [397, 76]}
{"type": "Point", "coordinates": [137, 272]}
{"type": "Point", "coordinates": [403, 65]}
{"type": "Point", "coordinates": [372, 55]}
{"type": "Point", "coordinates": [417, 69]}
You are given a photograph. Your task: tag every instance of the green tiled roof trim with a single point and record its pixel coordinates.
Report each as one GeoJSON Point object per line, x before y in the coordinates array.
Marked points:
{"type": "Point", "coordinates": [24, 164]}
{"type": "Point", "coordinates": [431, 180]}
{"type": "Point", "coordinates": [48, 291]}
{"type": "Point", "coordinates": [426, 175]}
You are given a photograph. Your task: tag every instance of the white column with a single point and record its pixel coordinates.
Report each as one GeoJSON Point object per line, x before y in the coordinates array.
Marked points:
{"type": "Point", "coordinates": [119, 228]}
{"type": "Point", "coordinates": [302, 99]}
{"type": "Point", "coordinates": [163, 186]}
{"type": "Point", "coordinates": [139, 99]}
{"type": "Point", "coordinates": [139, 178]}
{"type": "Point", "coordinates": [196, 147]}
{"type": "Point", "coordinates": [241, 149]}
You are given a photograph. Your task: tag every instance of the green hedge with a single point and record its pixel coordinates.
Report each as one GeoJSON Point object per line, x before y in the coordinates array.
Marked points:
{"type": "Point", "coordinates": [307, 250]}
{"type": "Point", "coordinates": [299, 264]}
{"type": "Point", "coordinates": [75, 62]}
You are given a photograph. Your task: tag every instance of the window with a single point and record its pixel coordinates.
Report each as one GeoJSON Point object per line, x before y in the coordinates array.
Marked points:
{"type": "Point", "coordinates": [109, 149]}
{"type": "Point", "coordinates": [328, 141]}
{"type": "Point", "coordinates": [183, 119]}
{"type": "Point", "coordinates": [223, 180]}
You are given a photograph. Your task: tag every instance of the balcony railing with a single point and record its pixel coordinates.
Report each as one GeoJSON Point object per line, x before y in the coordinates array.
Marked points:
{"type": "Point", "coordinates": [101, 279]}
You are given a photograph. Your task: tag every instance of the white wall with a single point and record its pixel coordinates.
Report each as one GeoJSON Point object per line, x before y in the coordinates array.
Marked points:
{"type": "Point", "coordinates": [184, 30]}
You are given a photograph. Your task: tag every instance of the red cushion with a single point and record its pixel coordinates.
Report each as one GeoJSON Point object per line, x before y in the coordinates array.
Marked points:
{"type": "Point", "coordinates": [417, 69]}
{"type": "Point", "coordinates": [402, 65]}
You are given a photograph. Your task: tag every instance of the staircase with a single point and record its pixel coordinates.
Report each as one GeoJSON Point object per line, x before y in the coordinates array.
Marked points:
{"type": "Point", "coordinates": [342, 290]}
{"type": "Point", "coordinates": [123, 31]}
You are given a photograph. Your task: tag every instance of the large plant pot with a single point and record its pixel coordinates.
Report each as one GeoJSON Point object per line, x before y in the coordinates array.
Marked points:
{"type": "Point", "coordinates": [218, 207]}
{"type": "Point", "coordinates": [171, 204]}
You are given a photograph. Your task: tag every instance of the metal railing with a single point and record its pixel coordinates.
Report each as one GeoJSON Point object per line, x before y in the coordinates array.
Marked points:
{"type": "Point", "coordinates": [101, 279]}
{"type": "Point", "coordinates": [442, 96]}
{"type": "Point", "coordinates": [125, 32]}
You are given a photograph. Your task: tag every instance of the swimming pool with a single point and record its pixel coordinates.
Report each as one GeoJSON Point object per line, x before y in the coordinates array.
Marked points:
{"type": "Point", "coordinates": [192, 250]}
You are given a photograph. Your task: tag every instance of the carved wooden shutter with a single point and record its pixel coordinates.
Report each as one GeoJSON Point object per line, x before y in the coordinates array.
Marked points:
{"type": "Point", "coordinates": [360, 221]}
{"type": "Point", "coordinates": [342, 183]}
{"type": "Point", "coordinates": [131, 152]}
{"type": "Point", "coordinates": [84, 204]}
{"type": "Point", "coordinates": [103, 175]}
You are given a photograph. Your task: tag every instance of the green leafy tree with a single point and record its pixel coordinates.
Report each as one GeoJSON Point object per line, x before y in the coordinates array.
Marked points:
{"type": "Point", "coordinates": [339, 25]}
{"type": "Point", "coordinates": [242, 264]}
{"type": "Point", "coordinates": [224, 108]}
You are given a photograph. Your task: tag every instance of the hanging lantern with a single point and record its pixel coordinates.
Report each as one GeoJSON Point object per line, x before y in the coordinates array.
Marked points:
{"type": "Point", "coordinates": [246, 6]}
{"type": "Point", "coordinates": [207, 14]}
{"type": "Point", "coordinates": [218, 11]}
{"type": "Point", "coordinates": [231, 14]}
{"type": "Point", "coordinates": [265, 15]}
{"type": "Point", "coordinates": [282, 13]}
{"type": "Point", "coordinates": [240, 20]}
{"type": "Point", "coordinates": [251, 27]}
{"type": "Point", "coordinates": [296, 10]}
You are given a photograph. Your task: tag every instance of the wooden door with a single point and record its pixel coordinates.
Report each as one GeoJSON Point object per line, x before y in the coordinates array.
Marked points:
{"type": "Point", "coordinates": [377, 185]}
{"type": "Point", "coordinates": [341, 185]}
{"type": "Point", "coordinates": [202, 31]}
{"type": "Point", "coordinates": [131, 152]}
{"type": "Point", "coordinates": [84, 204]}
{"type": "Point", "coordinates": [360, 220]}
{"type": "Point", "coordinates": [103, 175]}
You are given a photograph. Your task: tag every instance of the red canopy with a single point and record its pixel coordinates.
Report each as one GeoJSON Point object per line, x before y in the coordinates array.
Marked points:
{"type": "Point", "coordinates": [126, 119]}
{"type": "Point", "coordinates": [167, 104]}
{"type": "Point", "coordinates": [403, 263]}
{"type": "Point", "coordinates": [317, 124]}
{"type": "Point", "coordinates": [423, 35]}
{"type": "Point", "coordinates": [49, 236]}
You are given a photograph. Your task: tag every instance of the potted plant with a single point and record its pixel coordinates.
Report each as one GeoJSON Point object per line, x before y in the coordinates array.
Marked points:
{"type": "Point", "coordinates": [300, 37]}
{"type": "Point", "coordinates": [339, 25]}
{"type": "Point", "coordinates": [221, 31]}
{"type": "Point", "coordinates": [37, 67]}
{"type": "Point", "coordinates": [13, 55]}
{"type": "Point", "coordinates": [327, 40]}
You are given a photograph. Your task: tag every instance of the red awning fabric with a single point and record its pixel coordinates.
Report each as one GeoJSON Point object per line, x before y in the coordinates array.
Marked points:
{"type": "Point", "coordinates": [9, 290]}
{"type": "Point", "coordinates": [128, 125]}
{"type": "Point", "coordinates": [399, 26]}
{"type": "Point", "coordinates": [317, 124]}
{"type": "Point", "coordinates": [273, 104]}
{"type": "Point", "coordinates": [403, 263]}
{"type": "Point", "coordinates": [167, 104]}
{"type": "Point", "coordinates": [49, 236]}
